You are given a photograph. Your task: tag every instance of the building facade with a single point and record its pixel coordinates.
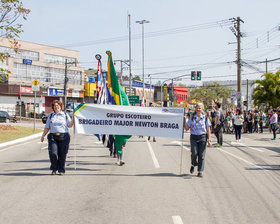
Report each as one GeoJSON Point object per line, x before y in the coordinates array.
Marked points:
{"type": "Point", "coordinates": [50, 66]}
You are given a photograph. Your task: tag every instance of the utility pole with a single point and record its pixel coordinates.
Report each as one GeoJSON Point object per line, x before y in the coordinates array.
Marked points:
{"type": "Point", "coordinates": [65, 82]}
{"type": "Point", "coordinates": [65, 85]}
{"type": "Point", "coordinates": [142, 22]}
{"type": "Point", "coordinates": [247, 95]}
{"type": "Point", "coordinates": [237, 33]}
{"type": "Point", "coordinates": [266, 65]}
{"type": "Point", "coordinates": [122, 68]}
{"type": "Point", "coordinates": [130, 75]}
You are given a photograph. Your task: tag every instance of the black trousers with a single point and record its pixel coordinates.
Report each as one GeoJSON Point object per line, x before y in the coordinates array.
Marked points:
{"type": "Point", "coordinates": [219, 135]}
{"type": "Point", "coordinates": [198, 150]}
{"type": "Point", "coordinates": [237, 129]}
{"type": "Point", "coordinates": [58, 149]}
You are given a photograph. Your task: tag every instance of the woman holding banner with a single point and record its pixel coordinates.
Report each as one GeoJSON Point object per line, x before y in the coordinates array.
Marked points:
{"type": "Point", "coordinates": [200, 124]}
{"type": "Point", "coordinates": [57, 124]}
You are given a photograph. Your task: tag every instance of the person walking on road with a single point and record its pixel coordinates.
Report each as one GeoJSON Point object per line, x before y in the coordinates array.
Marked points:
{"type": "Point", "coordinates": [238, 124]}
{"type": "Point", "coordinates": [200, 125]}
{"type": "Point", "coordinates": [262, 120]}
{"type": "Point", "coordinates": [218, 124]}
{"type": "Point", "coordinates": [57, 124]}
{"type": "Point", "coordinates": [274, 123]}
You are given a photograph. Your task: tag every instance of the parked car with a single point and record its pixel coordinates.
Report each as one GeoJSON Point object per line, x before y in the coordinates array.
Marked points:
{"type": "Point", "coordinates": [4, 116]}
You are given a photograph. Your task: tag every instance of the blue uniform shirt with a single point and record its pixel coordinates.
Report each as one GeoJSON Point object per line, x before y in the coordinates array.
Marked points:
{"type": "Point", "coordinates": [197, 124]}
{"type": "Point", "coordinates": [58, 123]}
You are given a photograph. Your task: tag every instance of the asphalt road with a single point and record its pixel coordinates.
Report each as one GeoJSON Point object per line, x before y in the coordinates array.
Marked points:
{"type": "Point", "coordinates": [240, 185]}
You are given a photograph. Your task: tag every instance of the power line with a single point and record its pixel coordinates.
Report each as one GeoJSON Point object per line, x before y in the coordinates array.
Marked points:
{"type": "Point", "coordinates": [172, 31]}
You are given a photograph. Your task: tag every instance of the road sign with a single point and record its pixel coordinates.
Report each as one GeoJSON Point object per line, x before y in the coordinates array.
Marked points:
{"type": "Point", "coordinates": [233, 94]}
{"type": "Point", "coordinates": [27, 61]}
{"type": "Point", "coordinates": [35, 85]}
{"type": "Point", "coordinates": [133, 99]}
{"type": "Point", "coordinates": [238, 95]}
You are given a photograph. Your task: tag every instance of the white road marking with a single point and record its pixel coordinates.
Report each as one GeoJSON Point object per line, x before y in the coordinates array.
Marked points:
{"type": "Point", "coordinates": [249, 147]}
{"type": "Point", "coordinates": [177, 220]}
{"type": "Point", "coordinates": [180, 144]}
{"type": "Point", "coordinates": [153, 155]}
{"type": "Point", "coordinates": [239, 158]}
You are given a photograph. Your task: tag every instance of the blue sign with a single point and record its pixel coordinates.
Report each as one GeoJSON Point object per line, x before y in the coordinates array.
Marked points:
{"type": "Point", "coordinates": [27, 61]}
{"type": "Point", "coordinates": [56, 92]}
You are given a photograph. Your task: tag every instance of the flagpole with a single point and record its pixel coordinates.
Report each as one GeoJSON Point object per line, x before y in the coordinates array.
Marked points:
{"type": "Point", "coordinates": [181, 162]}
{"type": "Point", "coordinates": [182, 145]}
{"type": "Point", "coordinates": [75, 152]}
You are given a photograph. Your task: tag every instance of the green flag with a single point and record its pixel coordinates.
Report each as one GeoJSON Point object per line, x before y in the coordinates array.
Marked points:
{"type": "Point", "coordinates": [120, 98]}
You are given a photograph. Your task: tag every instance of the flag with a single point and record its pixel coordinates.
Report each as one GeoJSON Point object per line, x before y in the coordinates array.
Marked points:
{"type": "Point", "coordinates": [119, 96]}
{"type": "Point", "coordinates": [99, 78]}
{"type": "Point", "coordinates": [102, 98]}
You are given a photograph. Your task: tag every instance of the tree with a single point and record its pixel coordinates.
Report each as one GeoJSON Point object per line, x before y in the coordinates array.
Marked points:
{"type": "Point", "coordinates": [209, 94]}
{"type": "Point", "coordinates": [136, 78]}
{"type": "Point", "coordinates": [268, 90]}
{"type": "Point", "coordinates": [10, 12]}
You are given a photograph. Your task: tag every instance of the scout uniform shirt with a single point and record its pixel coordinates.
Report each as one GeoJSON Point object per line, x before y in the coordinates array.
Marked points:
{"type": "Point", "coordinates": [58, 123]}
{"type": "Point", "coordinates": [197, 124]}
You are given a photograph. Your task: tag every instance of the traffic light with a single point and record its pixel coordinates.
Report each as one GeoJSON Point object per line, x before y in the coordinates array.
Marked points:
{"type": "Point", "coordinates": [18, 96]}
{"type": "Point", "coordinates": [198, 75]}
{"type": "Point", "coordinates": [193, 75]}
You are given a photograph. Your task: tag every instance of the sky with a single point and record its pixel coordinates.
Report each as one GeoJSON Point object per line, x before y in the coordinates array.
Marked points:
{"type": "Point", "coordinates": [182, 35]}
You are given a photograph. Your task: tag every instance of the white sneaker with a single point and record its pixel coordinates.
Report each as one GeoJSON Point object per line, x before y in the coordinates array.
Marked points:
{"type": "Point", "coordinates": [118, 163]}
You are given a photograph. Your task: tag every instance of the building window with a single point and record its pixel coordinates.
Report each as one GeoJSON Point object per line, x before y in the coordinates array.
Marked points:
{"type": "Point", "coordinates": [23, 54]}
{"type": "Point", "coordinates": [50, 58]}
{"type": "Point", "coordinates": [54, 76]}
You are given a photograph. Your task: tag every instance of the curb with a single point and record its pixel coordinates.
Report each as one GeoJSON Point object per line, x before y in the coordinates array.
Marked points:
{"type": "Point", "coordinates": [30, 137]}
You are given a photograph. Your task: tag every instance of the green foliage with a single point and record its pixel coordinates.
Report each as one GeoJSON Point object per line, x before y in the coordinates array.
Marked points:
{"type": "Point", "coordinates": [136, 78]}
{"type": "Point", "coordinates": [209, 94]}
{"type": "Point", "coordinates": [268, 90]}
{"type": "Point", "coordinates": [10, 12]}
{"type": "Point", "coordinates": [182, 85]}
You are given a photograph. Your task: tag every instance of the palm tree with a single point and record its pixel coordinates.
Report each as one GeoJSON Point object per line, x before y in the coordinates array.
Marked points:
{"type": "Point", "coordinates": [268, 90]}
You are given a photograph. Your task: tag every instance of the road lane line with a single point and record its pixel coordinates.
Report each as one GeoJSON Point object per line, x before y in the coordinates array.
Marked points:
{"type": "Point", "coordinates": [249, 147]}
{"type": "Point", "coordinates": [180, 144]}
{"type": "Point", "coordinates": [239, 158]}
{"type": "Point", "coordinates": [177, 220]}
{"type": "Point", "coordinates": [153, 155]}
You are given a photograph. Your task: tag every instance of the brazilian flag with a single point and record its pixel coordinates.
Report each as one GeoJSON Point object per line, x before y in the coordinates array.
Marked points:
{"type": "Point", "coordinates": [120, 98]}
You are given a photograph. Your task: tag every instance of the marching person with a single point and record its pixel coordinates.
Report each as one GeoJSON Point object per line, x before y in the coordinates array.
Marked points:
{"type": "Point", "coordinates": [218, 124]}
{"type": "Point", "coordinates": [200, 125]}
{"type": "Point", "coordinates": [238, 124]}
{"type": "Point", "coordinates": [120, 152]}
{"type": "Point", "coordinates": [57, 124]}
{"type": "Point", "coordinates": [274, 123]}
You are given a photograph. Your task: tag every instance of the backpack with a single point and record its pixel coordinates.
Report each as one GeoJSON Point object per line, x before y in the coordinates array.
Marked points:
{"type": "Point", "coordinates": [52, 113]}
{"type": "Point", "coordinates": [222, 117]}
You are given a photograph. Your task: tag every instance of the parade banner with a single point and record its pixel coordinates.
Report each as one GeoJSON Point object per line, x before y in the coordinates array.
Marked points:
{"type": "Point", "coordinates": [129, 120]}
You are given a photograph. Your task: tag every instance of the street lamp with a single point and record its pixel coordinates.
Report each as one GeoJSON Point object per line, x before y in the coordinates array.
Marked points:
{"type": "Point", "coordinates": [142, 22]}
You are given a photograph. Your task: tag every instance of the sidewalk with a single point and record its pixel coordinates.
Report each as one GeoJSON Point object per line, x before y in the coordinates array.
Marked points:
{"type": "Point", "coordinates": [25, 123]}
{"type": "Point", "coordinates": [30, 137]}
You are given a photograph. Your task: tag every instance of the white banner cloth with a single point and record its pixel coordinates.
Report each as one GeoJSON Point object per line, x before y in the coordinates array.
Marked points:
{"type": "Point", "coordinates": [129, 120]}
